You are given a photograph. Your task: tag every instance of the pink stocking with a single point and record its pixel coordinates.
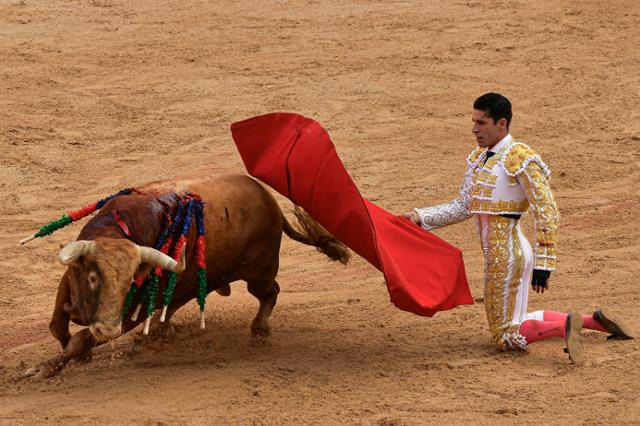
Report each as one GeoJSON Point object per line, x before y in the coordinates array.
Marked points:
{"type": "Point", "coordinates": [533, 330]}
{"type": "Point", "coordinates": [587, 320]}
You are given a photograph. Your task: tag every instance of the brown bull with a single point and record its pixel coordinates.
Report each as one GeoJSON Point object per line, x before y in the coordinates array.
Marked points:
{"type": "Point", "coordinates": [244, 226]}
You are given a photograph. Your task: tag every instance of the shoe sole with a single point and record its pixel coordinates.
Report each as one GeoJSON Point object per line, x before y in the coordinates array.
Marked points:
{"type": "Point", "coordinates": [573, 339]}
{"type": "Point", "coordinates": [618, 329]}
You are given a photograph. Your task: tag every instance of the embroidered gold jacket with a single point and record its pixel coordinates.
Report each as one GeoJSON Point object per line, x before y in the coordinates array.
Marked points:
{"type": "Point", "coordinates": [514, 180]}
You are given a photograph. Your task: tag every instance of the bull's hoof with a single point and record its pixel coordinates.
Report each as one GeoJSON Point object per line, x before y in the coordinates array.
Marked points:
{"type": "Point", "coordinates": [260, 330]}
{"type": "Point", "coordinates": [258, 341]}
{"type": "Point", "coordinates": [259, 334]}
{"type": "Point", "coordinates": [46, 369]}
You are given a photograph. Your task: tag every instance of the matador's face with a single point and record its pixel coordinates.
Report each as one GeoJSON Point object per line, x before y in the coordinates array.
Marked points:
{"type": "Point", "coordinates": [487, 132]}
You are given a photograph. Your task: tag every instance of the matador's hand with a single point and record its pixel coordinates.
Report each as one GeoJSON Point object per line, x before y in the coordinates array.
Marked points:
{"type": "Point", "coordinates": [412, 216]}
{"type": "Point", "coordinates": [540, 280]}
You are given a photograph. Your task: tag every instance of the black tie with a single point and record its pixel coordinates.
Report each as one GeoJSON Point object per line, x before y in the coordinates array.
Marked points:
{"type": "Point", "coordinates": [489, 155]}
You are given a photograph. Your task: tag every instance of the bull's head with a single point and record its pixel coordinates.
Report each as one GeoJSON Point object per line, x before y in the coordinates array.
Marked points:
{"type": "Point", "coordinates": [100, 274]}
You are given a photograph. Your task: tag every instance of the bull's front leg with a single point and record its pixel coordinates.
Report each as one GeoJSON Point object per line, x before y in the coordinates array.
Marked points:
{"type": "Point", "coordinates": [79, 346]}
{"type": "Point", "coordinates": [59, 325]}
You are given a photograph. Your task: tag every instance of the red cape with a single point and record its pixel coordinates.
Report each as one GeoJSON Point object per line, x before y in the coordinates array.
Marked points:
{"type": "Point", "coordinates": [295, 156]}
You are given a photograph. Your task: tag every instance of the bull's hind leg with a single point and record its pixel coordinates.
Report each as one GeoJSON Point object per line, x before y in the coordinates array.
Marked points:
{"type": "Point", "coordinates": [267, 293]}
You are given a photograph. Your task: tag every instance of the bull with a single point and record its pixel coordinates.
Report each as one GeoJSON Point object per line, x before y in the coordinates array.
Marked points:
{"type": "Point", "coordinates": [244, 230]}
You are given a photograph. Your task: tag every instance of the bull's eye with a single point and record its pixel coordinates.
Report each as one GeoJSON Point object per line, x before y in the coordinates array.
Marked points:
{"type": "Point", "coordinates": [93, 280]}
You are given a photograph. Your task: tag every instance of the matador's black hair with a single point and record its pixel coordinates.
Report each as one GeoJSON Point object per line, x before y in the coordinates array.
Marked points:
{"type": "Point", "coordinates": [495, 105]}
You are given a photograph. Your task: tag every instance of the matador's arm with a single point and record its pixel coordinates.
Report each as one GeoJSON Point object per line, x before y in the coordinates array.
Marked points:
{"type": "Point", "coordinates": [452, 212]}
{"type": "Point", "coordinates": [534, 178]}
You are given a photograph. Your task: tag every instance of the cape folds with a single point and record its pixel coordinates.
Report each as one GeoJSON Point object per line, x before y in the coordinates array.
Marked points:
{"type": "Point", "coordinates": [294, 155]}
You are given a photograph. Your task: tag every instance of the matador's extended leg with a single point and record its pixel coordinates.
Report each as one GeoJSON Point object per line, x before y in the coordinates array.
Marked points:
{"type": "Point", "coordinates": [601, 320]}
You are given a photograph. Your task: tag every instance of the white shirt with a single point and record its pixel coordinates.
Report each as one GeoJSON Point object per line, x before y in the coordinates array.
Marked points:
{"type": "Point", "coordinates": [502, 143]}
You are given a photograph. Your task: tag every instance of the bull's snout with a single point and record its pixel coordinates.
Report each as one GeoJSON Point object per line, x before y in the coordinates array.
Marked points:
{"type": "Point", "coordinates": [104, 331]}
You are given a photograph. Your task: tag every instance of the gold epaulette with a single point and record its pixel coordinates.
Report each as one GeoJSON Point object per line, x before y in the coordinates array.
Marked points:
{"type": "Point", "coordinates": [518, 157]}
{"type": "Point", "coordinates": [475, 154]}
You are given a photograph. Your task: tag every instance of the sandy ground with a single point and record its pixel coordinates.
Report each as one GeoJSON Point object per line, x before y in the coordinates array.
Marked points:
{"type": "Point", "coordinates": [98, 95]}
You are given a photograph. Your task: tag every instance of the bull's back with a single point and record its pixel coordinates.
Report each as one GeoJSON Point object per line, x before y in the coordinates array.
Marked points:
{"type": "Point", "coordinates": [243, 222]}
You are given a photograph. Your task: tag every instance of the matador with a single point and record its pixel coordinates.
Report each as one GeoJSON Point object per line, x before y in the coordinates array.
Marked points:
{"type": "Point", "coordinates": [504, 179]}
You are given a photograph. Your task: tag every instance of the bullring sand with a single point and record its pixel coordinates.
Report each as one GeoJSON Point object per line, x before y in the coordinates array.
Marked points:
{"type": "Point", "coordinates": [99, 95]}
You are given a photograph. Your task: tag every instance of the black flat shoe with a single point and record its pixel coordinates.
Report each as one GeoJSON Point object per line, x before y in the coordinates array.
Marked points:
{"type": "Point", "coordinates": [613, 324]}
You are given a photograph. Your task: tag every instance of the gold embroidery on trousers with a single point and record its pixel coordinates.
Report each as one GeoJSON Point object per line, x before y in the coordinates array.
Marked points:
{"type": "Point", "coordinates": [504, 267]}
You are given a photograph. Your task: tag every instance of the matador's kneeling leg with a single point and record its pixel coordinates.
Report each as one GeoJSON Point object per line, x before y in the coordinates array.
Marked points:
{"type": "Point", "coordinates": [569, 329]}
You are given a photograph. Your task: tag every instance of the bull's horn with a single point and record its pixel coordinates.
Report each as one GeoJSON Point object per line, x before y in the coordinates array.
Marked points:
{"type": "Point", "coordinates": [157, 258]}
{"type": "Point", "coordinates": [74, 250]}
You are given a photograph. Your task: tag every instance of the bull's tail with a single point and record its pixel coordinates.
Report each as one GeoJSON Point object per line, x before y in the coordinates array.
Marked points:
{"type": "Point", "coordinates": [314, 234]}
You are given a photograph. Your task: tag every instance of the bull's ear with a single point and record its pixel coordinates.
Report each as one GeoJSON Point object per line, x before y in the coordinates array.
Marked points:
{"type": "Point", "coordinates": [73, 251]}
{"type": "Point", "coordinates": [157, 258]}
